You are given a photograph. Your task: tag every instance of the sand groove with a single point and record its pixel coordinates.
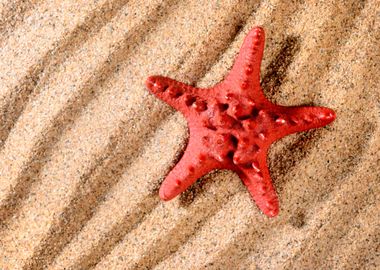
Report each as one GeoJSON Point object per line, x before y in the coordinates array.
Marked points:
{"type": "Point", "coordinates": [333, 230]}
{"type": "Point", "coordinates": [359, 239]}
{"type": "Point", "coordinates": [158, 247]}
{"type": "Point", "coordinates": [84, 147]}
{"type": "Point", "coordinates": [21, 75]}
{"type": "Point", "coordinates": [365, 239]}
{"type": "Point", "coordinates": [94, 184]}
{"type": "Point", "coordinates": [93, 244]}
{"type": "Point", "coordinates": [29, 84]}
{"type": "Point", "coordinates": [12, 14]}
{"type": "Point", "coordinates": [65, 116]}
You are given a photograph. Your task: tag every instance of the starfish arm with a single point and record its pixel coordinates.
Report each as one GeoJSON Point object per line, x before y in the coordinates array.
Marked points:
{"type": "Point", "coordinates": [299, 119]}
{"type": "Point", "coordinates": [245, 73]}
{"type": "Point", "coordinates": [192, 166]}
{"type": "Point", "coordinates": [182, 97]}
{"type": "Point", "coordinates": [259, 183]}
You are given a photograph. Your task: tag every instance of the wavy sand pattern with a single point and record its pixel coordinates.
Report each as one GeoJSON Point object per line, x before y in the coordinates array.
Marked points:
{"type": "Point", "coordinates": [84, 146]}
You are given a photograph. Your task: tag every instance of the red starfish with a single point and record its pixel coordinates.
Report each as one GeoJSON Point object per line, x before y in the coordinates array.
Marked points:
{"type": "Point", "coordinates": [232, 126]}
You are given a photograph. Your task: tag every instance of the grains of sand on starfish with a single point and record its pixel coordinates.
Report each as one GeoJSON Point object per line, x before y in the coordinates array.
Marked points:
{"type": "Point", "coordinates": [232, 126]}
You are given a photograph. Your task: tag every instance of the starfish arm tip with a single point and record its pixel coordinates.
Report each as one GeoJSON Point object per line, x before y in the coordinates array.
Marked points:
{"type": "Point", "coordinates": [270, 207]}
{"type": "Point", "coordinates": [321, 116]}
{"type": "Point", "coordinates": [268, 203]}
{"type": "Point", "coordinates": [304, 118]}
{"type": "Point", "coordinates": [273, 213]}
{"type": "Point", "coordinates": [246, 69]}
{"type": "Point", "coordinates": [163, 196]}
{"type": "Point", "coordinates": [329, 115]}
{"type": "Point", "coordinates": [178, 180]}
{"type": "Point", "coordinates": [259, 184]}
{"type": "Point", "coordinates": [156, 84]}
{"type": "Point", "coordinates": [149, 82]}
{"type": "Point", "coordinates": [189, 169]}
{"type": "Point", "coordinates": [257, 31]}
{"type": "Point", "coordinates": [178, 95]}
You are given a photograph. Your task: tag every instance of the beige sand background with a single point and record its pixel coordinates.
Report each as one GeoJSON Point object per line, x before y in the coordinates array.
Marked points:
{"type": "Point", "coordinates": [84, 146]}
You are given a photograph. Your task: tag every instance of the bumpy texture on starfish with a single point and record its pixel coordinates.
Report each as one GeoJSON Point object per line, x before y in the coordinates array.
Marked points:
{"type": "Point", "coordinates": [232, 126]}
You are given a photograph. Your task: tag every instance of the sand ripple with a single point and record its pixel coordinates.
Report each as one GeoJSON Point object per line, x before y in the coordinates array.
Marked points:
{"type": "Point", "coordinates": [84, 146]}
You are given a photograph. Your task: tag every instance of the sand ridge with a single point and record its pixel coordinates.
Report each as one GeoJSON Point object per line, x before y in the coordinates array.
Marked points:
{"type": "Point", "coordinates": [84, 146]}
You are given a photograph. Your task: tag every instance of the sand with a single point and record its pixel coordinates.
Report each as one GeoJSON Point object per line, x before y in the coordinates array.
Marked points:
{"type": "Point", "coordinates": [84, 146]}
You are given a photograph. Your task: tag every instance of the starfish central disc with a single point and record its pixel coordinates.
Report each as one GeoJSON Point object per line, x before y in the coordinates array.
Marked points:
{"type": "Point", "coordinates": [232, 126]}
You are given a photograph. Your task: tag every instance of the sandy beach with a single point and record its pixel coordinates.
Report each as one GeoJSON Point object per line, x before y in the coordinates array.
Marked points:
{"type": "Point", "coordinates": [84, 146]}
